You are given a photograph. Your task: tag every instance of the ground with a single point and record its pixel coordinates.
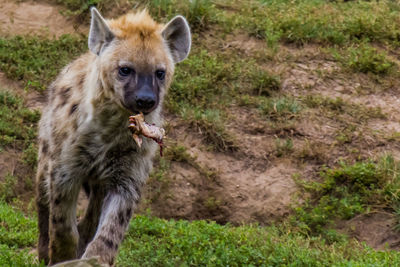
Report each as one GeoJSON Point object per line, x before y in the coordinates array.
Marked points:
{"type": "Point", "coordinates": [322, 111]}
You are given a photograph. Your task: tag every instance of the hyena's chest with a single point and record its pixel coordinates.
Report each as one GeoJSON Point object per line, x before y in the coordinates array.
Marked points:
{"type": "Point", "coordinates": [98, 145]}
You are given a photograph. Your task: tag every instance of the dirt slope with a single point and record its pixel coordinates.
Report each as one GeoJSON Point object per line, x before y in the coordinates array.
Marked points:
{"type": "Point", "coordinates": [32, 18]}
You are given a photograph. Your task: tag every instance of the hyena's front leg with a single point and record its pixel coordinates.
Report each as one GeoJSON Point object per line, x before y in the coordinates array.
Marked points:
{"type": "Point", "coordinates": [42, 204]}
{"type": "Point", "coordinates": [115, 216]}
{"type": "Point", "coordinates": [88, 225]}
{"type": "Point", "coordinates": [63, 230]}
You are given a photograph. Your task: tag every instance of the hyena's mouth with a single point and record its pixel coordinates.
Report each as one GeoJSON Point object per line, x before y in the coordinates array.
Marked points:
{"type": "Point", "coordinates": [135, 111]}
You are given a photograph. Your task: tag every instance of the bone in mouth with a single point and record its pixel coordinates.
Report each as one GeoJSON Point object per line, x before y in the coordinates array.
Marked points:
{"type": "Point", "coordinates": [138, 127]}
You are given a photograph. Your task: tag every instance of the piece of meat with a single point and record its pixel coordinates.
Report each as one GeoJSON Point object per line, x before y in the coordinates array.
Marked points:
{"type": "Point", "coordinates": [139, 127]}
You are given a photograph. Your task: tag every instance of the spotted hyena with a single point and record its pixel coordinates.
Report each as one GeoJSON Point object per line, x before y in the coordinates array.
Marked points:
{"type": "Point", "coordinates": [84, 140]}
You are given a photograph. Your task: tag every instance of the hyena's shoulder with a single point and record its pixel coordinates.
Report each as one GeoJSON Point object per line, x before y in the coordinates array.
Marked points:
{"type": "Point", "coordinates": [70, 82]}
{"type": "Point", "coordinates": [60, 117]}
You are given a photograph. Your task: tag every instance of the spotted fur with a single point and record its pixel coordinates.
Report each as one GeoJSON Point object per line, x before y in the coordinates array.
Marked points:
{"type": "Point", "coordinates": [84, 140]}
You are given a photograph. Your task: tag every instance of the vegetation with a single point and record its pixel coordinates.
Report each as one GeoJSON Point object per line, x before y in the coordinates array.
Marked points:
{"type": "Point", "coordinates": [320, 21]}
{"type": "Point", "coordinates": [368, 60]}
{"type": "Point", "coordinates": [204, 243]}
{"type": "Point", "coordinates": [17, 123]}
{"type": "Point", "coordinates": [199, 13]}
{"type": "Point", "coordinates": [17, 234]}
{"type": "Point", "coordinates": [199, 243]}
{"type": "Point", "coordinates": [338, 108]}
{"type": "Point", "coordinates": [346, 191]}
{"type": "Point", "coordinates": [36, 61]}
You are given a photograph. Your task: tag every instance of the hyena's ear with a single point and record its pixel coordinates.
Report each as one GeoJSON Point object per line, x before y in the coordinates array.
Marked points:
{"type": "Point", "coordinates": [100, 35]}
{"type": "Point", "coordinates": [177, 35]}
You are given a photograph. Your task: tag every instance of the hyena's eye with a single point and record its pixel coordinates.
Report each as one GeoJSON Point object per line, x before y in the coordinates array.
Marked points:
{"type": "Point", "coordinates": [125, 71]}
{"type": "Point", "coordinates": [160, 74]}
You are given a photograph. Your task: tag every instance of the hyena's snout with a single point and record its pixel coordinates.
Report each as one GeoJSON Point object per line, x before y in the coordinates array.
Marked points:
{"type": "Point", "coordinates": [145, 100]}
{"type": "Point", "coordinates": [143, 96]}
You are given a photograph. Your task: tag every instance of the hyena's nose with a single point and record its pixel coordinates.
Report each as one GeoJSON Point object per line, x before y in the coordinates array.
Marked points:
{"type": "Point", "coordinates": [145, 102]}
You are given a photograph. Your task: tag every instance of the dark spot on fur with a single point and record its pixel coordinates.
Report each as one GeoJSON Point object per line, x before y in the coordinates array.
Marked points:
{"type": "Point", "coordinates": [109, 243]}
{"type": "Point", "coordinates": [81, 81]}
{"type": "Point", "coordinates": [45, 147]}
{"type": "Point", "coordinates": [86, 188]}
{"type": "Point", "coordinates": [74, 107]}
{"type": "Point", "coordinates": [121, 218]}
{"type": "Point", "coordinates": [63, 232]}
{"type": "Point", "coordinates": [57, 200]}
{"type": "Point", "coordinates": [58, 220]}
{"type": "Point", "coordinates": [128, 213]}
{"type": "Point", "coordinates": [64, 96]}
{"type": "Point", "coordinates": [65, 92]}
{"type": "Point", "coordinates": [45, 168]}
{"type": "Point", "coordinates": [60, 138]}
{"type": "Point", "coordinates": [53, 174]}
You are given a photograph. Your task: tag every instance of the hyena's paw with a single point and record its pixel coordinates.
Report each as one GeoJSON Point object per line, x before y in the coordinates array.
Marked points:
{"type": "Point", "coordinates": [102, 253]}
{"type": "Point", "coordinates": [92, 262]}
{"type": "Point", "coordinates": [63, 247]}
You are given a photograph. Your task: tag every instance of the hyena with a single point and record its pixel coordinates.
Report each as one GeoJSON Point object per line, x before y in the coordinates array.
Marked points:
{"type": "Point", "coordinates": [84, 140]}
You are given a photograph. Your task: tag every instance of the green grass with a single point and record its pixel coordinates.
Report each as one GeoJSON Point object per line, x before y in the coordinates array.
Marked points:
{"type": "Point", "coordinates": [201, 243]}
{"type": "Point", "coordinates": [202, 80]}
{"type": "Point", "coordinates": [319, 21]}
{"type": "Point", "coordinates": [211, 124]}
{"type": "Point", "coordinates": [16, 229]}
{"type": "Point", "coordinates": [339, 108]}
{"type": "Point", "coordinates": [264, 83]}
{"type": "Point", "coordinates": [17, 123]}
{"type": "Point", "coordinates": [36, 61]}
{"type": "Point", "coordinates": [299, 21]}
{"type": "Point", "coordinates": [204, 85]}
{"type": "Point", "coordinates": [80, 7]}
{"type": "Point", "coordinates": [281, 108]}
{"type": "Point", "coordinates": [18, 131]}
{"type": "Point", "coordinates": [16, 257]}
{"type": "Point", "coordinates": [199, 13]}
{"type": "Point", "coordinates": [366, 59]}
{"type": "Point", "coordinates": [346, 191]}
{"type": "Point", "coordinates": [18, 233]}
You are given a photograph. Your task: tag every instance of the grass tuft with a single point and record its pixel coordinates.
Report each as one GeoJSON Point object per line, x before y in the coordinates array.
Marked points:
{"type": "Point", "coordinates": [264, 83]}
{"type": "Point", "coordinates": [200, 14]}
{"type": "Point", "coordinates": [36, 61]}
{"type": "Point", "coordinates": [346, 191]}
{"type": "Point", "coordinates": [210, 124]}
{"type": "Point", "coordinates": [367, 59]}
{"type": "Point", "coordinates": [17, 123]}
{"type": "Point", "coordinates": [321, 21]}
{"type": "Point", "coordinates": [201, 243]}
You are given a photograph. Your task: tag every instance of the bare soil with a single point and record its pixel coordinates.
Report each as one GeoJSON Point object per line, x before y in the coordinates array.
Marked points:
{"type": "Point", "coordinates": [376, 229]}
{"type": "Point", "coordinates": [252, 184]}
{"type": "Point", "coordinates": [33, 18]}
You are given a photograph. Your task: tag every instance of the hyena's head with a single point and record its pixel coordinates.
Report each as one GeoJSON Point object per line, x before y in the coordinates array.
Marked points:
{"type": "Point", "coordinates": [137, 57]}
